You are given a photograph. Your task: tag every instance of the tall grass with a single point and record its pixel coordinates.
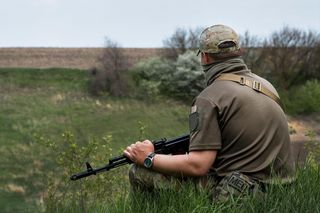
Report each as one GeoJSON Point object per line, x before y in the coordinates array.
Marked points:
{"type": "Point", "coordinates": [302, 196]}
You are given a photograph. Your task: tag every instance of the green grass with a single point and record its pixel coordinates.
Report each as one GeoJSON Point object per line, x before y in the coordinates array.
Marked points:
{"type": "Point", "coordinates": [302, 196]}
{"type": "Point", "coordinates": [50, 101]}
{"type": "Point", "coordinates": [54, 100]}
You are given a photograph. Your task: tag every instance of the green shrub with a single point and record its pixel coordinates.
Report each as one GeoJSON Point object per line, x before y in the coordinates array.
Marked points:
{"type": "Point", "coordinates": [182, 79]}
{"type": "Point", "coordinates": [304, 99]}
{"type": "Point", "coordinates": [148, 76]}
{"type": "Point", "coordinates": [70, 157]}
{"type": "Point", "coordinates": [187, 81]}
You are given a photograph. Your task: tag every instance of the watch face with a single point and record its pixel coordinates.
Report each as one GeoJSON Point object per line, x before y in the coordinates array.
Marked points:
{"type": "Point", "coordinates": [147, 162]}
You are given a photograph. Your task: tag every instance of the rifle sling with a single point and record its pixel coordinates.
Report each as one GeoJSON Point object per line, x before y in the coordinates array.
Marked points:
{"type": "Point", "coordinates": [253, 84]}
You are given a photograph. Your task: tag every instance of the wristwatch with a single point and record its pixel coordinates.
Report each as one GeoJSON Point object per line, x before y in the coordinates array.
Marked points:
{"type": "Point", "coordinates": [148, 162]}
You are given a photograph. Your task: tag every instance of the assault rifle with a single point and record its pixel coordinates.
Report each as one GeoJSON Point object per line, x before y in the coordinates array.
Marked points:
{"type": "Point", "coordinates": [162, 146]}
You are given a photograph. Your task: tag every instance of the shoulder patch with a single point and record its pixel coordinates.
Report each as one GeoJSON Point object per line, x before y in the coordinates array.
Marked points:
{"type": "Point", "coordinates": [194, 119]}
{"type": "Point", "coordinates": [193, 109]}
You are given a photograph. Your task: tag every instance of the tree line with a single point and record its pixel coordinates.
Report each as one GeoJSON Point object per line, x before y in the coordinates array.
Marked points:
{"type": "Point", "coordinates": [289, 57]}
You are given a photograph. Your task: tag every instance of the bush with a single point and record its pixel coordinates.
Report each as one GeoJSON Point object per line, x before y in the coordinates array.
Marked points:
{"type": "Point", "coordinates": [303, 99]}
{"type": "Point", "coordinates": [149, 74]}
{"type": "Point", "coordinates": [187, 80]}
{"type": "Point", "coordinates": [110, 76]}
{"type": "Point", "coordinates": [69, 158]}
{"type": "Point", "coordinates": [181, 80]}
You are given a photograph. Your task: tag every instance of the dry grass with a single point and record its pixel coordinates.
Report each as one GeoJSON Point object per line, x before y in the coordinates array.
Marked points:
{"type": "Point", "coordinates": [76, 58]}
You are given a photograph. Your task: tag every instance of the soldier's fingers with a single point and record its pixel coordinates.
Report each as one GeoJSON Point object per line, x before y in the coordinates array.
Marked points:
{"type": "Point", "coordinates": [130, 155]}
{"type": "Point", "coordinates": [132, 147]}
{"type": "Point", "coordinates": [147, 141]}
{"type": "Point", "coordinates": [130, 150]}
{"type": "Point", "coordinates": [127, 154]}
{"type": "Point", "coordinates": [138, 143]}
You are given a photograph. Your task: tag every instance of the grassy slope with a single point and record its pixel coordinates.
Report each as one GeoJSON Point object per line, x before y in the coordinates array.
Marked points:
{"type": "Point", "coordinates": [50, 101]}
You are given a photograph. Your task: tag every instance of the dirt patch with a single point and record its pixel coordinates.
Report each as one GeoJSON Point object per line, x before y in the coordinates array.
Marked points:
{"type": "Point", "coordinates": [305, 136]}
{"type": "Point", "coordinates": [15, 188]}
{"type": "Point", "coordinates": [305, 128]}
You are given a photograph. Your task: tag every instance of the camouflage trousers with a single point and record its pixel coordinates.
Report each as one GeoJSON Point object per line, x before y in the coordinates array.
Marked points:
{"type": "Point", "coordinates": [233, 186]}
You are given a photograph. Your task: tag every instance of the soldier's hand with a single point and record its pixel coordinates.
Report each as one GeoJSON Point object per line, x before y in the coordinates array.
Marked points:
{"type": "Point", "coordinates": [138, 151]}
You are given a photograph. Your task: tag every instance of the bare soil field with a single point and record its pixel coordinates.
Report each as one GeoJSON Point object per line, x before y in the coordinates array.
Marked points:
{"type": "Point", "coordinates": [77, 58]}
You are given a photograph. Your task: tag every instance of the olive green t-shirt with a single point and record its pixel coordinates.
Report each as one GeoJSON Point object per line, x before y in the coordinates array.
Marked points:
{"type": "Point", "coordinates": [248, 129]}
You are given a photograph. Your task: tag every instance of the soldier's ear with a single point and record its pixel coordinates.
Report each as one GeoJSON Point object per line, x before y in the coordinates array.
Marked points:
{"type": "Point", "coordinates": [205, 58]}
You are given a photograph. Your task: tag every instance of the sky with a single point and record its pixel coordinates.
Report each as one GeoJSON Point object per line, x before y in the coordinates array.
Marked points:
{"type": "Point", "coordinates": [142, 23]}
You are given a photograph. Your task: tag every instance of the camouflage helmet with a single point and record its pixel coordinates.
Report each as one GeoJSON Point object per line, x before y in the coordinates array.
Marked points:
{"type": "Point", "coordinates": [219, 39]}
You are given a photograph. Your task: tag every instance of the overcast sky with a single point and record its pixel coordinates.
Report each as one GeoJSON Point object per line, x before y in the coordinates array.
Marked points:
{"type": "Point", "coordinates": [142, 23]}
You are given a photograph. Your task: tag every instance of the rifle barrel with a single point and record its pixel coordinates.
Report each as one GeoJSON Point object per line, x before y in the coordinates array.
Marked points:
{"type": "Point", "coordinates": [162, 146]}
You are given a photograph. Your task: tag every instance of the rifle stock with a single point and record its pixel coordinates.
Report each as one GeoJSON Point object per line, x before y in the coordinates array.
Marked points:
{"type": "Point", "coordinates": [163, 146]}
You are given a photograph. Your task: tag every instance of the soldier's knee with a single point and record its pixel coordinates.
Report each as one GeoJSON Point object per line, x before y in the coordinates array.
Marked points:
{"type": "Point", "coordinates": [132, 172]}
{"type": "Point", "coordinates": [139, 178]}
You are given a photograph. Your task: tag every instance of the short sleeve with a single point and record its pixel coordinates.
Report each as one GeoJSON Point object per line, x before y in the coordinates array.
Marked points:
{"type": "Point", "coordinates": [204, 126]}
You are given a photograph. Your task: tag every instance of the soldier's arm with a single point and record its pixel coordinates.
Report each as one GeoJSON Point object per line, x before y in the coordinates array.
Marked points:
{"type": "Point", "coordinates": [195, 163]}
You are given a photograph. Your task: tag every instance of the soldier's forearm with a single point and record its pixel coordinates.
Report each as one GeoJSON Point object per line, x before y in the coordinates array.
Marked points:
{"type": "Point", "coordinates": [193, 164]}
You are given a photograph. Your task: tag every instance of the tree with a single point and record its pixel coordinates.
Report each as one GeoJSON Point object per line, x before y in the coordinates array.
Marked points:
{"type": "Point", "coordinates": [111, 72]}
{"type": "Point", "coordinates": [292, 56]}
{"type": "Point", "coordinates": [181, 41]}
{"type": "Point", "coordinates": [252, 52]}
